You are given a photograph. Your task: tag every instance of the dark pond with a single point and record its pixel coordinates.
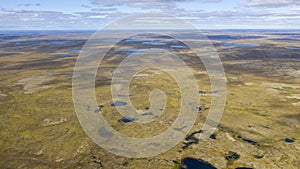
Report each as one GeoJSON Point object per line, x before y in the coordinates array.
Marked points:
{"type": "Point", "coordinates": [119, 104]}
{"type": "Point", "coordinates": [63, 55]}
{"type": "Point", "coordinates": [60, 42]}
{"type": "Point", "coordinates": [127, 120]}
{"type": "Point", "coordinates": [135, 52]}
{"type": "Point", "coordinates": [213, 136]}
{"type": "Point", "coordinates": [131, 51]}
{"type": "Point", "coordinates": [191, 163]}
{"type": "Point", "coordinates": [75, 51]}
{"type": "Point", "coordinates": [288, 140]}
{"type": "Point", "coordinates": [191, 139]}
{"type": "Point", "coordinates": [18, 43]}
{"type": "Point", "coordinates": [248, 140]}
{"type": "Point", "coordinates": [136, 40]}
{"type": "Point", "coordinates": [239, 45]}
{"type": "Point", "coordinates": [179, 47]}
{"type": "Point", "coordinates": [154, 43]}
{"type": "Point", "coordinates": [223, 40]}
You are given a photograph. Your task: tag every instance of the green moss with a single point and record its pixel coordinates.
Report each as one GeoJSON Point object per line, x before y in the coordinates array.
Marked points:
{"type": "Point", "coordinates": [176, 166]}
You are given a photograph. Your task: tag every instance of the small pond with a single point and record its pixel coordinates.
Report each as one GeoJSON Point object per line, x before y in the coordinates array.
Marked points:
{"type": "Point", "coordinates": [179, 47]}
{"type": "Point", "coordinates": [75, 51]}
{"type": "Point", "coordinates": [118, 103]}
{"type": "Point", "coordinates": [131, 51]}
{"type": "Point", "coordinates": [191, 163]}
{"type": "Point", "coordinates": [136, 40]}
{"type": "Point", "coordinates": [289, 140]}
{"type": "Point", "coordinates": [127, 120]}
{"type": "Point", "coordinates": [63, 55]}
{"type": "Point", "coordinates": [60, 42]}
{"type": "Point", "coordinates": [239, 45]}
{"type": "Point", "coordinates": [154, 43]}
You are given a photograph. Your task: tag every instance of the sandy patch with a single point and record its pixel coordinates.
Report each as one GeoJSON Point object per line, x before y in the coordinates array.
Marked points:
{"type": "Point", "coordinates": [296, 104]}
{"type": "Point", "coordinates": [294, 96]}
{"type": "Point", "coordinates": [50, 122]}
{"type": "Point", "coordinates": [273, 91]}
{"type": "Point", "coordinates": [35, 83]}
{"type": "Point", "coordinates": [249, 84]}
{"type": "Point", "coordinates": [2, 94]}
{"type": "Point", "coordinates": [279, 85]}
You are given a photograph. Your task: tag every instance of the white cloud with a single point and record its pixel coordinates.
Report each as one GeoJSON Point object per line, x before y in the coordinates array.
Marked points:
{"type": "Point", "coordinates": [99, 15]}
{"type": "Point", "coordinates": [211, 1]}
{"type": "Point", "coordinates": [270, 3]}
{"type": "Point", "coordinates": [12, 10]}
{"type": "Point", "coordinates": [86, 6]}
{"type": "Point", "coordinates": [148, 4]}
{"type": "Point", "coordinates": [36, 4]}
{"type": "Point", "coordinates": [104, 9]}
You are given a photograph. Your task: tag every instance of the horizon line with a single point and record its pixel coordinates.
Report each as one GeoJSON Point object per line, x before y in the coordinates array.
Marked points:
{"type": "Point", "coordinates": [149, 29]}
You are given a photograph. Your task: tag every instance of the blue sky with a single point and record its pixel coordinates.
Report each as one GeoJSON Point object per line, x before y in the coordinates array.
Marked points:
{"type": "Point", "coordinates": [204, 14]}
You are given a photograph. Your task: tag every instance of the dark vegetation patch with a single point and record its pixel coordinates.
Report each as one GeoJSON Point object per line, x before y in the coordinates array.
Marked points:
{"type": "Point", "coordinates": [293, 116]}
{"type": "Point", "coordinates": [102, 82]}
{"type": "Point", "coordinates": [42, 46]}
{"type": "Point", "coordinates": [48, 63]}
{"type": "Point", "coordinates": [261, 52]}
{"type": "Point", "coordinates": [231, 157]}
{"type": "Point", "coordinates": [237, 135]}
{"type": "Point", "coordinates": [3, 54]}
{"type": "Point", "coordinates": [258, 156]}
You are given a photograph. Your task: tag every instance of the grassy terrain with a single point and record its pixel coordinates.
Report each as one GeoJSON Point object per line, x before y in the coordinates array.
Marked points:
{"type": "Point", "coordinates": [39, 127]}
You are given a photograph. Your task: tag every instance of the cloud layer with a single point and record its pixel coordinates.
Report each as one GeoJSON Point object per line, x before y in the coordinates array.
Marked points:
{"type": "Point", "coordinates": [101, 12]}
{"type": "Point", "coordinates": [270, 3]}
{"type": "Point", "coordinates": [36, 4]}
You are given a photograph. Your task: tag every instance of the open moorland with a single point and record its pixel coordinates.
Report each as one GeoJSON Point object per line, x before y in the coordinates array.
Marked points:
{"type": "Point", "coordinates": [260, 126]}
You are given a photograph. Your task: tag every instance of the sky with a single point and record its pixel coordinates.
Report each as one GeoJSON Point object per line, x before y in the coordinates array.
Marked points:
{"type": "Point", "coordinates": [94, 14]}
